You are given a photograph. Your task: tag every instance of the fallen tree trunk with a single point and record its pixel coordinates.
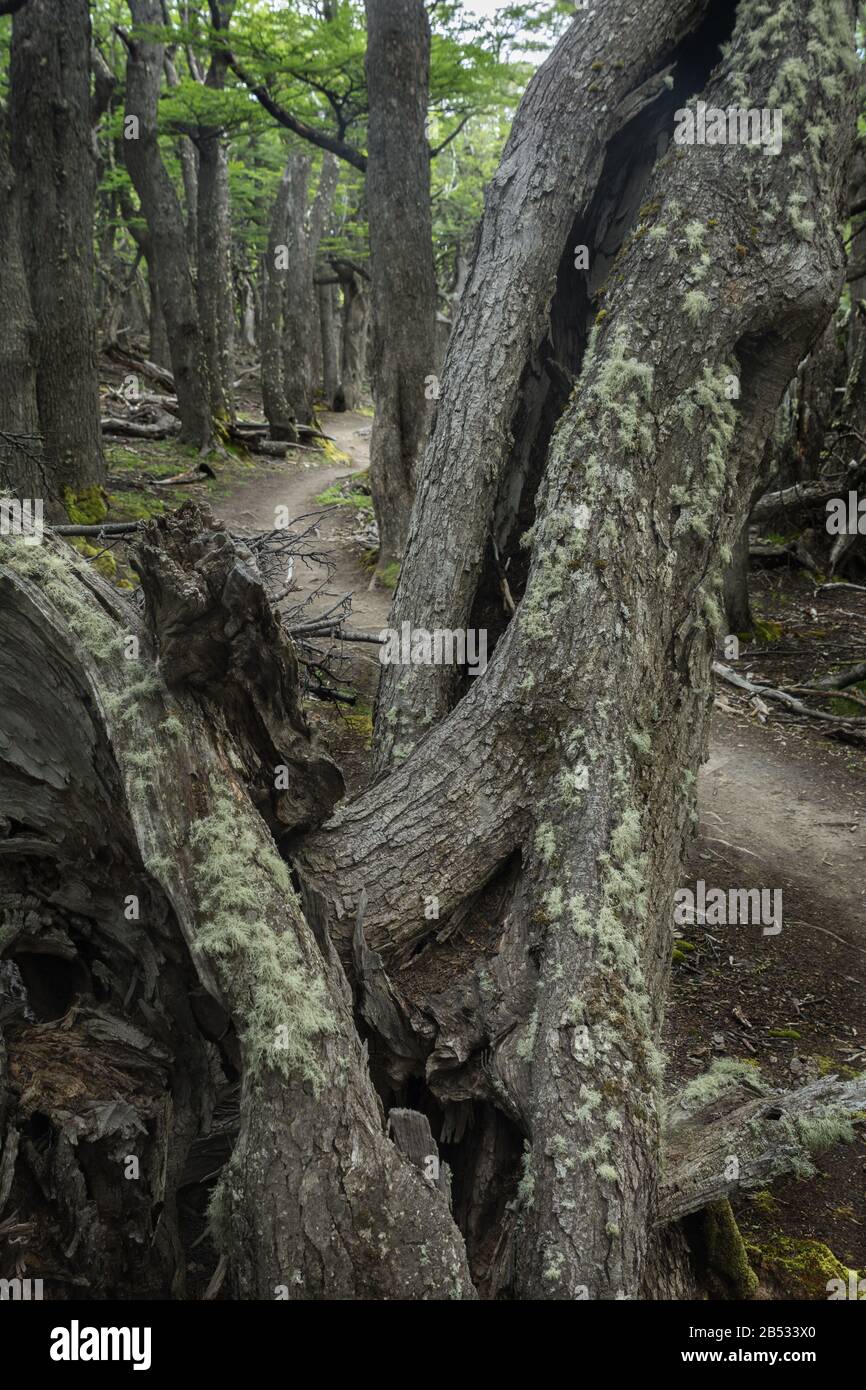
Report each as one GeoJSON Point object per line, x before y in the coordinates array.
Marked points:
{"type": "Point", "coordinates": [180, 763]}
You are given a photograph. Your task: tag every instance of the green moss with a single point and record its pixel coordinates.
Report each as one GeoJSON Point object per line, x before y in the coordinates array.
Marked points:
{"type": "Point", "coordinates": [725, 1252]}
{"type": "Point", "coordinates": [104, 562]}
{"type": "Point", "coordinates": [87, 507]}
{"type": "Point", "coordinates": [782, 1033]}
{"type": "Point", "coordinates": [798, 1268]}
{"type": "Point", "coordinates": [390, 575]}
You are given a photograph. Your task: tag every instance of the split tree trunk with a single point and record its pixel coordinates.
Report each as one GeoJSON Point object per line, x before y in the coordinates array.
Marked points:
{"type": "Point", "coordinates": [52, 153]}
{"type": "Point", "coordinates": [401, 259]}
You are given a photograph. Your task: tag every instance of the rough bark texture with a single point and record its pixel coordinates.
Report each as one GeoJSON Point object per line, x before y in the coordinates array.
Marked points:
{"type": "Point", "coordinates": [55, 171]}
{"type": "Point", "coordinates": [213, 232]}
{"type": "Point", "coordinates": [300, 310]}
{"type": "Point", "coordinates": [275, 401]}
{"type": "Point", "coordinates": [330, 343]}
{"type": "Point", "coordinates": [316, 1198]}
{"type": "Point", "coordinates": [169, 261]}
{"type": "Point", "coordinates": [499, 396]}
{"type": "Point", "coordinates": [353, 337]}
{"type": "Point", "coordinates": [597, 694]}
{"type": "Point", "coordinates": [547, 800]}
{"type": "Point", "coordinates": [21, 470]}
{"type": "Point", "coordinates": [401, 258]}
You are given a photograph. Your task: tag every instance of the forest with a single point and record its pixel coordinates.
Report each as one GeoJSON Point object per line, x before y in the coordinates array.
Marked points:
{"type": "Point", "coordinates": [432, 652]}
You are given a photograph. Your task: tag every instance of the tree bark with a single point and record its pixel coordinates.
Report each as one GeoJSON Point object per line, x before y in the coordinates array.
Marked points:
{"type": "Point", "coordinates": [21, 471]}
{"type": "Point", "coordinates": [579, 745]}
{"type": "Point", "coordinates": [519, 332]}
{"type": "Point", "coordinates": [275, 401]}
{"type": "Point", "coordinates": [355, 320]}
{"type": "Point", "coordinates": [169, 261]}
{"type": "Point", "coordinates": [330, 345]}
{"type": "Point", "coordinates": [343, 1213]}
{"type": "Point", "coordinates": [52, 154]}
{"type": "Point", "coordinates": [401, 259]}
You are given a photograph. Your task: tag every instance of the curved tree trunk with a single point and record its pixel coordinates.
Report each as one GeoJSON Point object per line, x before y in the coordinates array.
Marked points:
{"type": "Point", "coordinates": [56, 187]}
{"type": "Point", "coordinates": [401, 259]}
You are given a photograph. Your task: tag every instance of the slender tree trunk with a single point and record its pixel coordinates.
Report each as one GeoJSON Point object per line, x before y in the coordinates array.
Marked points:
{"type": "Point", "coordinates": [330, 347]}
{"type": "Point", "coordinates": [353, 338]}
{"type": "Point", "coordinates": [275, 400]}
{"type": "Point", "coordinates": [52, 154]}
{"type": "Point", "coordinates": [401, 258]}
{"type": "Point", "coordinates": [169, 261]}
{"type": "Point", "coordinates": [214, 279]}
{"type": "Point", "coordinates": [300, 310]}
{"type": "Point", "coordinates": [738, 612]}
{"type": "Point", "coordinates": [21, 471]}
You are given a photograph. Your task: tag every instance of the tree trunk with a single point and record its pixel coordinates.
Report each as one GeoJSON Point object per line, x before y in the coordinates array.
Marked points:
{"type": "Point", "coordinates": [330, 346]}
{"type": "Point", "coordinates": [214, 278]}
{"type": "Point", "coordinates": [738, 612]}
{"type": "Point", "coordinates": [55, 173]}
{"type": "Point", "coordinates": [275, 401]}
{"type": "Point", "coordinates": [578, 747]}
{"type": "Point", "coordinates": [401, 259]}
{"type": "Point", "coordinates": [345, 1214]}
{"type": "Point", "coordinates": [300, 312]}
{"type": "Point", "coordinates": [21, 472]}
{"type": "Point", "coordinates": [519, 333]}
{"type": "Point", "coordinates": [546, 799]}
{"type": "Point", "coordinates": [169, 260]}
{"type": "Point", "coordinates": [353, 346]}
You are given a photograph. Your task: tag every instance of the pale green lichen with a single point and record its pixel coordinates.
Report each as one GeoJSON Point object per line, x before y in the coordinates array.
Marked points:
{"type": "Point", "coordinates": [696, 305]}
{"type": "Point", "coordinates": [724, 1074]}
{"type": "Point", "coordinates": [286, 1006]}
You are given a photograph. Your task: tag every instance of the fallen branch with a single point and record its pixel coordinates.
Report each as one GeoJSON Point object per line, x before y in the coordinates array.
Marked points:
{"type": "Point", "coordinates": [769, 692]}
{"type": "Point", "coordinates": [770, 1135]}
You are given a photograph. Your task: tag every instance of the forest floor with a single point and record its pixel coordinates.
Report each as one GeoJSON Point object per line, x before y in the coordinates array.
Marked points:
{"type": "Point", "coordinates": [781, 806]}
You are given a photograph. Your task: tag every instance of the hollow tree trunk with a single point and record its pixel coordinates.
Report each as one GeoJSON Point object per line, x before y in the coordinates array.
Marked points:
{"type": "Point", "coordinates": [56, 179]}
{"type": "Point", "coordinates": [401, 259]}
{"type": "Point", "coordinates": [169, 261]}
{"type": "Point", "coordinates": [512, 357]}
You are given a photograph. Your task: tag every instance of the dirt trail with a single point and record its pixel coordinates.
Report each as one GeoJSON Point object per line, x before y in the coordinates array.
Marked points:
{"type": "Point", "coordinates": [251, 507]}
{"type": "Point", "coordinates": [784, 814]}
{"type": "Point", "coordinates": [775, 811]}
